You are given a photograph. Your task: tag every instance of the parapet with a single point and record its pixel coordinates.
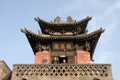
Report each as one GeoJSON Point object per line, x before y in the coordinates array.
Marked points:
{"type": "Point", "coordinates": [62, 72]}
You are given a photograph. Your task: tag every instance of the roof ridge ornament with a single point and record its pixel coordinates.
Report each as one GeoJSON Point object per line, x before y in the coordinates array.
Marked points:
{"type": "Point", "coordinates": [70, 20]}
{"type": "Point", "coordinates": [58, 20]}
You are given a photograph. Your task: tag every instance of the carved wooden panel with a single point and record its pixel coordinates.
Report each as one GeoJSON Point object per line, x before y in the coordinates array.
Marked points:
{"type": "Point", "coordinates": [62, 46]}
{"type": "Point", "coordinates": [55, 46]}
{"type": "Point", "coordinates": [68, 46]}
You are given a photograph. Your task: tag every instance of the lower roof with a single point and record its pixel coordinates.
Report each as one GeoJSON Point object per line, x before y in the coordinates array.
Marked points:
{"type": "Point", "coordinates": [92, 38]}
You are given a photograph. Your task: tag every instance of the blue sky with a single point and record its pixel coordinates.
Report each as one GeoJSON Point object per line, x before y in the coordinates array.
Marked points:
{"type": "Point", "coordinates": [17, 14]}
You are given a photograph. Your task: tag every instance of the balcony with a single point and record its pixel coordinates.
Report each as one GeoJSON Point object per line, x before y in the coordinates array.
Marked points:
{"type": "Point", "coordinates": [62, 72]}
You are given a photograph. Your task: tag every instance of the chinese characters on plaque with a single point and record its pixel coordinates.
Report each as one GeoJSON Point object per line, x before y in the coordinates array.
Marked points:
{"type": "Point", "coordinates": [62, 46]}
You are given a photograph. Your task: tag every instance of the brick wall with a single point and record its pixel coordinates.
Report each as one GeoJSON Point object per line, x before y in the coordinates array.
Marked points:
{"type": "Point", "coordinates": [42, 57]}
{"type": "Point", "coordinates": [4, 70]}
{"type": "Point", "coordinates": [83, 57]}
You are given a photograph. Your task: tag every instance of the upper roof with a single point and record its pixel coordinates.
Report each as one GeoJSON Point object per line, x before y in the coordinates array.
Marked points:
{"type": "Point", "coordinates": [69, 25]}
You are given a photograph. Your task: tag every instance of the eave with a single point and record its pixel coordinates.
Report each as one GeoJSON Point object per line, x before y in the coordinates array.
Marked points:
{"type": "Point", "coordinates": [92, 38]}
{"type": "Point", "coordinates": [82, 24]}
{"type": "Point", "coordinates": [48, 37]}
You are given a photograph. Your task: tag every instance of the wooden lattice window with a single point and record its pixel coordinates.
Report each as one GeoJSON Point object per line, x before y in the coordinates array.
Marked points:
{"type": "Point", "coordinates": [62, 46]}
{"type": "Point", "coordinates": [68, 46]}
{"type": "Point", "coordinates": [56, 46]}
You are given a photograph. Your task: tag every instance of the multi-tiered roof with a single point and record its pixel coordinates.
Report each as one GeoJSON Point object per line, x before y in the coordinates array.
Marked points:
{"type": "Point", "coordinates": [70, 30]}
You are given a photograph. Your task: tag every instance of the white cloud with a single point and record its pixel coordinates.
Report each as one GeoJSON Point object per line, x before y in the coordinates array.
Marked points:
{"type": "Point", "coordinates": [113, 8]}
{"type": "Point", "coordinates": [71, 5]}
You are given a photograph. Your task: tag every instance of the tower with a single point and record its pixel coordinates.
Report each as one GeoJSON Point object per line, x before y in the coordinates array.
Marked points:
{"type": "Point", "coordinates": [63, 51]}
{"type": "Point", "coordinates": [65, 40]}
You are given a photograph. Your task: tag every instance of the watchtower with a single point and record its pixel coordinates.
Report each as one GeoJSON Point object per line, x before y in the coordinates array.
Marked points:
{"type": "Point", "coordinates": [63, 51]}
